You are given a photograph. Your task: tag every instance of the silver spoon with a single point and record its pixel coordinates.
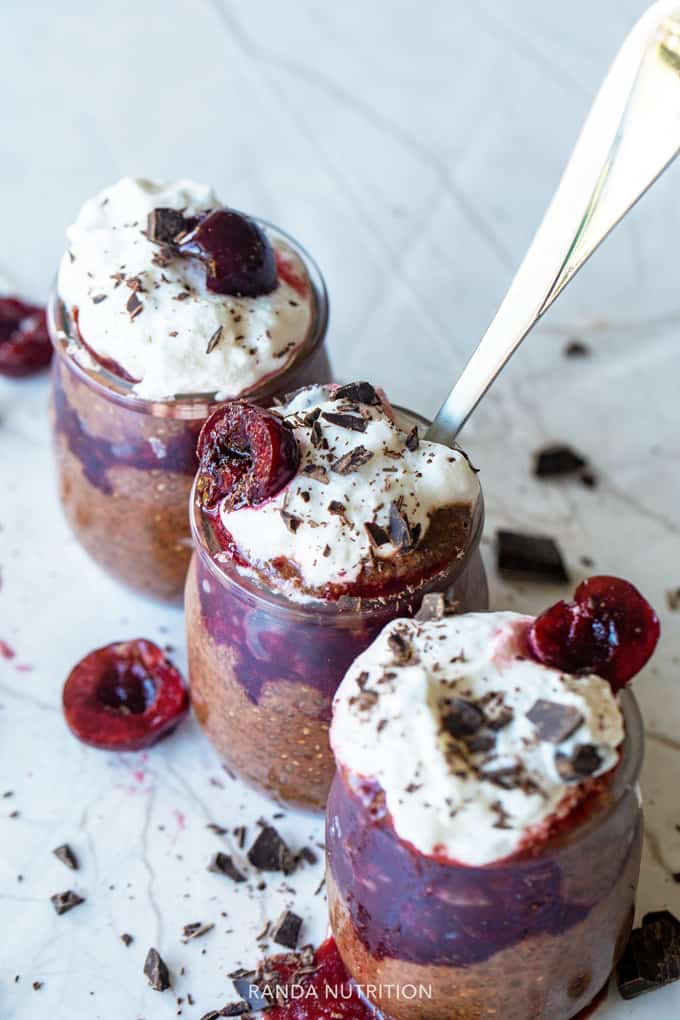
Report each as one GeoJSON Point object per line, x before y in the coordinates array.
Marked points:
{"type": "Point", "coordinates": [630, 137]}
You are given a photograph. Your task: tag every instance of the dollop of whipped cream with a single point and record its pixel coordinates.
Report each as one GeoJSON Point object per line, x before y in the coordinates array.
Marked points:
{"type": "Point", "coordinates": [111, 270]}
{"type": "Point", "coordinates": [476, 745]}
{"type": "Point", "coordinates": [366, 487]}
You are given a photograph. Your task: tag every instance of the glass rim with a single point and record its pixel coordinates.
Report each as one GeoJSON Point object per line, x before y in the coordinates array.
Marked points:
{"type": "Point", "coordinates": [230, 576]}
{"type": "Point", "coordinates": [195, 404]}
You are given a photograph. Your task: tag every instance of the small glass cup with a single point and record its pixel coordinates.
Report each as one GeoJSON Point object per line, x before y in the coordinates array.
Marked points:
{"type": "Point", "coordinates": [126, 465]}
{"type": "Point", "coordinates": [529, 938]}
{"type": "Point", "coordinates": [263, 669]}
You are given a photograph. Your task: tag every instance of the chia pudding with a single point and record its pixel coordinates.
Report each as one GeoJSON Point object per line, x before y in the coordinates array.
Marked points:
{"type": "Point", "coordinates": [484, 827]}
{"type": "Point", "coordinates": [166, 304]}
{"type": "Point", "coordinates": [314, 526]}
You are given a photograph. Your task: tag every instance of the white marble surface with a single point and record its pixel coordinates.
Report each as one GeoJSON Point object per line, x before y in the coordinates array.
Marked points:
{"type": "Point", "coordinates": [413, 148]}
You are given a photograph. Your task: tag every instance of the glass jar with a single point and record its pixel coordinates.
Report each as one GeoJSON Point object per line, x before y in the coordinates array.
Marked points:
{"type": "Point", "coordinates": [125, 465]}
{"type": "Point", "coordinates": [263, 669]}
{"type": "Point", "coordinates": [534, 937]}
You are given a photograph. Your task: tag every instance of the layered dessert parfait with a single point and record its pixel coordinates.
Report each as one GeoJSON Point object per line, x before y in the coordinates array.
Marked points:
{"type": "Point", "coordinates": [484, 828]}
{"type": "Point", "coordinates": [315, 524]}
{"type": "Point", "coordinates": [166, 304]}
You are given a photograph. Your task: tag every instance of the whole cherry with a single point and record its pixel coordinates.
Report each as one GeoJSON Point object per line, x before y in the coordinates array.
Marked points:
{"type": "Point", "coordinates": [246, 455]}
{"type": "Point", "coordinates": [25, 345]}
{"type": "Point", "coordinates": [124, 697]}
{"type": "Point", "coordinates": [237, 254]}
{"type": "Point", "coordinates": [609, 629]}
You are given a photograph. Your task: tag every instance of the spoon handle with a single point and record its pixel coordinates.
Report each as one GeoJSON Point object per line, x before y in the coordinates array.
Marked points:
{"type": "Point", "coordinates": [631, 135]}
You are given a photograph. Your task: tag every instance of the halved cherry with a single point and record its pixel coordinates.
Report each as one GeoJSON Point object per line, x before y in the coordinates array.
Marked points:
{"type": "Point", "coordinates": [238, 256]}
{"type": "Point", "coordinates": [25, 345]}
{"type": "Point", "coordinates": [246, 455]}
{"type": "Point", "coordinates": [124, 697]}
{"type": "Point", "coordinates": [609, 629]}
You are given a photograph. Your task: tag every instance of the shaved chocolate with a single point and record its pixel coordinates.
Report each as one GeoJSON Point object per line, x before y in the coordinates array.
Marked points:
{"type": "Point", "coordinates": [337, 508]}
{"type": "Point", "coordinates": [222, 864]}
{"type": "Point", "coordinates": [553, 721]}
{"type": "Point", "coordinates": [270, 853]}
{"type": "Point", "coordinates": [65, 901]}
{"type": "Point", "coordinates": [433, 607]}
{"type": "Point", "coordinates": [413, 439]}
{"type": "Point", "coordinates": [377, 536]}
{"type": "Point", "coordinates": [557, 460]}
{"type": "Point", "coordinates": [582, 763]}
{"type": "Point", "coordinates": [402, 535]}
{"type": "Point", "coordinates": [163, 226]}
{"type": "Point", "coordinates": [195, 930]}
{"type": "Point", "coordinates": [98, 298]}
{"type": "Point", "coordinates": [290, 520]}
{"type": "Point", "coordinates": [537, 557]}
{"type": "Point", "coordinates": [214, 340]}
{"type": "Point", "coordinates": [317, 472]}
{"type": "Point", "coordinates": [156, 971]}
{"type": "Point", "coordinates": [401, 647]}
{"type": "Point", "coordinates": [361, 392]}
{"type": "Point", "coordinates": [356, 458]}
{"type": "Point", "coordinates": [65, 854]}
{"type": "Point", "coordinates": [462, 718]}
{"type": "Point", "coordinates": [652, 957]}
{"type": "Point", "coordinates": [134, 306]}
{"type": "Point", "coordinates": [316, 436]}
{"type": "Point", "coordinates": [287, 929]}
{"type": "Point", "coordinates": [346, 421]}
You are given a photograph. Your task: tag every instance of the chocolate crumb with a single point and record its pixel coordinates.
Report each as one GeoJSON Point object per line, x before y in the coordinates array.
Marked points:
{"type": "Point", "coordinates": [214, 340]}
{"type": "Point", "coordinates": [413, 439]}
{"type": "Point", "coordinates": [98, 298]}
{"type": "Point", "coordinates": [222, 864]}
{"type": "Point", "coordinates": [356, 458]}
{"type": "Point", "coordinates": [673, 599]}
{"type": "Point", "coordinates": [195, 931]}
{"type": "Point", "coordinates": [65, 854]}
{"type": "Point", "coordinates": [576, 349]}
{"type": "Point", "coordinates": [553, 721]}
{"type": "Point", "coordinates": [287, 929]}
{"type": "Point", "coordinates": [126, 939]}
{"type": "Point", "coordinates": [290, 520]}
{"type": "Point", "coordinates": [401, 647]}
{"type": "Point", "coordinates": [134, 306]}
{"type": "Point", "coordinates": [65, 901]}
{"type": "Point", "coordinates": [156, 971]}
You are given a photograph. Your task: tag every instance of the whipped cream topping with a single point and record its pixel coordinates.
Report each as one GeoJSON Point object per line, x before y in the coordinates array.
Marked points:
{"type": "Point", "coordinates": [167, 345]}
{"type": "Point", "coordinates": [358, 467]}
{"type": "Point", "coordinates": [476, 745]}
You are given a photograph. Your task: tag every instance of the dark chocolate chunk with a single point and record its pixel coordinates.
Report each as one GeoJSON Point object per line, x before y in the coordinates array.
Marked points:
{"type": "Point", "coordinates": [270, 853]}
{"type": "Point", "coordinates": [673, 599]}
{"type": "Point", "coordinates": [534, 556]}
{"type": "Point", "coordinates": [577, 349]}
{"type": "Point", "coordinates": [65, 854]}
{"type": "Point", "coordinates": [287, 929]}
{"type": "Point", "coordinates": [65, 901]}
{"type": "Point", "coordinates": [583, 762]}
{"type": "Point", "coordinates": [461, 718]}
{"type": "Point", "coordinates": [164, 225]}
{"type": "Point", "coordinates": [214, 340]}
{"type": "Point", "coordinates": [433, 607]}
{"type": "Point", "coordinates": [156, 971]}
{"type": "Point", "coordinates": [126, 939]}
{"type": "Point", "coordinates": [356, 458]}
{"type": "Point", "coordinates": [361, 392]}
{"type": "Point", "coordinates": [222, 864]}
{"type": "Point", "coordinates": [400, 647]}
{"type": "Point", "coordinates": [346, 421]}
{"type": "Point", "coordinates": [652, 957]}
{"type": "Point", "coordinates": [413, 439]}
{"type": "Point", "coordinates": [554, 721]}
{"type": "Point", "coordinates": [134, 305]}
{"type": "Point", "coordinates": [557, 460]}
{"type": "Point", "coordinates": [290, 520]}
{"type": "Point", "coordinates": [337, 508]}
{"type": "Point", "coordinates": [401, 534]}
{"type": "Point", "coordinates": [377, 536]}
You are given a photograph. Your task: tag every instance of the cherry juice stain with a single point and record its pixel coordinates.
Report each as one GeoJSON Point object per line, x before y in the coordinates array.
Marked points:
{"type": "Point", "coordinates": [328, 992]}
{"type": "Point", "coordinates": [6, 651]}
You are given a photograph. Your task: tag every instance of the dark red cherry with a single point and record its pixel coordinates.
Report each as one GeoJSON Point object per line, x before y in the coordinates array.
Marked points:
{"type": "Point", "coordinates": [124, 697]}
{"type": "Point", "coordinates": [609, 629]}
{"type": "Point", "coordinates": [237, 254]}
{"type": "Point", "coordinates": [25, 345]}
{"type": "Point", "coordinates": [246, 455]}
